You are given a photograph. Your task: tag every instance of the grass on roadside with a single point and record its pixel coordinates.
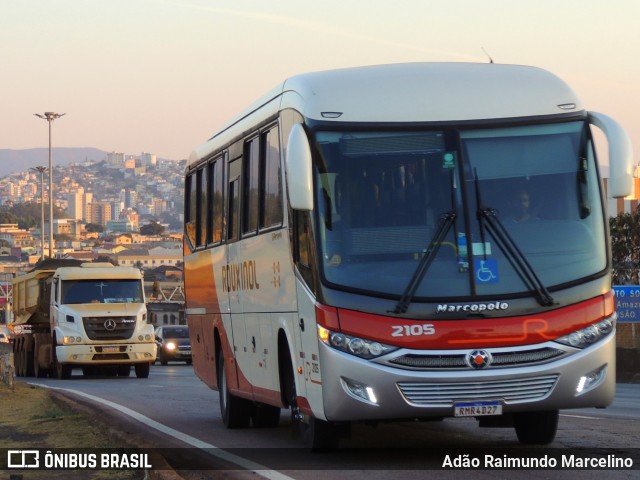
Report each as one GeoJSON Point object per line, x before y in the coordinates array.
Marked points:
{"type": "Point", "coordinates": [29, 418]}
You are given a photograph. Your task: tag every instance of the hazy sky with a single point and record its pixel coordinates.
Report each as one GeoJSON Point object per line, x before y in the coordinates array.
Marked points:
{"type": "Point", "coordinates": [161, 76]}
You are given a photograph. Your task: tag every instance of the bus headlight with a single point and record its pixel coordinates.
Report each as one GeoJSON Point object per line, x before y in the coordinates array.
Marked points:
{"type": "Point", "coordinates": [588, 335]}
{"type": "Point", "coordinates": [360, 347]}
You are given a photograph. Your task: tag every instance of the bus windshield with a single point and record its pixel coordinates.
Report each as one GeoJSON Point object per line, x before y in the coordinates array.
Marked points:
{"type": "Point", "coordinates": [521, 206]}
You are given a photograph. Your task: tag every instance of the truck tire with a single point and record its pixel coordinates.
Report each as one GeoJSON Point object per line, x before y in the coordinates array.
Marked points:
{"type": "Point", "coordinates": [28, 356]}
{"type": "Point", "coordinates": [142, 370]}
{"type": "Point", "coordinates": [62, 371]}
{"type": "Point", "coordinates": [38, 370]}
{"type": "Point", "coordinates": [17, 356]}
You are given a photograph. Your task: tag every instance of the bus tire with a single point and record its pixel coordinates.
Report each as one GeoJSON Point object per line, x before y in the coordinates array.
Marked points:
{"type": "Point", "coordinates": [265, 416]}
{"type": "Point", "coordinates": [142, 370]}
{"type": "Point", "coordinates": [235, 411]}
{"type": "Point", "coordinates": [316, 435]}
{"type": "Point", "coordinates": [536, 428]}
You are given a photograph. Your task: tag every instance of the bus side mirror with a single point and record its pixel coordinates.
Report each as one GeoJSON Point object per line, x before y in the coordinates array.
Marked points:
{"type": "Point", "coordinates": [620, 155]}
{"type": "Point", "coordinates": [298, 168]}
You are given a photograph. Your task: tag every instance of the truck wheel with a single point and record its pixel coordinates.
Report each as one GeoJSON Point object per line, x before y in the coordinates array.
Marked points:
{"type": "Point", "coordinates": [17, 356]}
{"type": "Point", "coordinates": [142, 370]}
{"type": "Point", "coordinates": [38, 371]}
{"type": "Point", "coordinates": [28, 356]}
{"type": "Point", "coordinates": [61, 370]}
{"type": "Point", "coordinates": [235, 411]}
{"type": "Point", "coordinates": [536, 428]}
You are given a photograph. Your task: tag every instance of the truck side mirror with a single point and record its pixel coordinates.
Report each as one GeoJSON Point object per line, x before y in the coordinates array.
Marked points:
{"type": "Point", "coordinates": [620, 155]}
{"type": "Point", "coordinates": [298, 169]}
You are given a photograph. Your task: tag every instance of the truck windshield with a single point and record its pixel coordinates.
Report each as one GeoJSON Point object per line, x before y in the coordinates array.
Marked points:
{"type": "Point", "coordinates": [383, 195]}
{"type": "Point", "coordinates": [101, 291]}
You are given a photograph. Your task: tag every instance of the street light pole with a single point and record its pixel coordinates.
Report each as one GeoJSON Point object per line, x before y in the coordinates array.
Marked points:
{"type": "Point", "coordinates": [41, 171]}
{"type": "Point", "coordinates": [50, 117]}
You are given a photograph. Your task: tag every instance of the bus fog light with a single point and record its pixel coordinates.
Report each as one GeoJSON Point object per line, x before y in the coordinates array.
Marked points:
{"type": "Point", "coordinates": [360, 391]}
{"type": "Point", "coordinates": [591, 380]}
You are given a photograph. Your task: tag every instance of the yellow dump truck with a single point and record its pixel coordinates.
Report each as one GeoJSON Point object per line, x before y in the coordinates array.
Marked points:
{"type": "Point", "coordinates": [91, 316]}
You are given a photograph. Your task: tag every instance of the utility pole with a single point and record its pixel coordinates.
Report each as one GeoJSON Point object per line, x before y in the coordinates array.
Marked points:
{"type": "Point", "coordinates": [50, 117]}
{"type": "Point", "coordinates": [41, 171]}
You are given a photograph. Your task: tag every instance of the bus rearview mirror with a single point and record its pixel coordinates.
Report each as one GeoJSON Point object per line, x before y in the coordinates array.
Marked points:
{"type": "Point", "coordinates": [298, 169]}
{"type": "Point", "coordinates": [620, 155]}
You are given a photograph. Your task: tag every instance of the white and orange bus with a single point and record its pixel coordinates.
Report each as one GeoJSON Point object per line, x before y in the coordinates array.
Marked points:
{"type": "Point", "coordinates": [410, 241]}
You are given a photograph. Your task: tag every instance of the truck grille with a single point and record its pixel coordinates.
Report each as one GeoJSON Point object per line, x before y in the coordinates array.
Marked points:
{"type": "Point", "coordinates": [109, 328]}
{"type": "Point", "coordinates": [445, 394]}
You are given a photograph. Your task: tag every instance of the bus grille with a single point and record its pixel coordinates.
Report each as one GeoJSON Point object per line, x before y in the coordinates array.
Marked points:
{"type": "Point", "coordinates": [509, 391]}
{"type": "Point", "coordinates": [457, 360]}
{"type": "Point", "coordinates": [109, 328]}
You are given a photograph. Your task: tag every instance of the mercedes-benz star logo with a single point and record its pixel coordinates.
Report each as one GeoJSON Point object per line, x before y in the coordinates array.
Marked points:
{"type": "Point", "coordinates": [478, 359]}
{"type": "Point", "coordinates": [110, 324]}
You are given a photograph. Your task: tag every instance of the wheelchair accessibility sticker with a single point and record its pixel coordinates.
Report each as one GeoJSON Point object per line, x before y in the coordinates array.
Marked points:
{"type": "Point", "coordinates": [486, 270]}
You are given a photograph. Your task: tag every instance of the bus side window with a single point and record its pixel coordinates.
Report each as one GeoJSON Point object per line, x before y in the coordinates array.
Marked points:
{"type": "Point", "coordinates": [233, 212]}
{"type": "Point", "coordinates": [190, 210]}
{"type": "Point", "coordinates": [303, 247]}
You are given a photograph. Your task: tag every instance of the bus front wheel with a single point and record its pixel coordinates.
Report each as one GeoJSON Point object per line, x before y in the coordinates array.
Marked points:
{"type": "Point", "coordinates": [316, 435]}
{"type": "Point", "coordinates": [536, 428]}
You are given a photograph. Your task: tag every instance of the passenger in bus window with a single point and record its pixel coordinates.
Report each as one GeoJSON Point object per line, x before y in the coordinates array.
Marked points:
{"type": "Point", "coordinates": [523, 208]}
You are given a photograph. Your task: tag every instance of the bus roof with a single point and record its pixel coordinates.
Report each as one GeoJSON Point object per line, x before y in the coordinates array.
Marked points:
{"type": "Point", "coordinates": [413, 92]}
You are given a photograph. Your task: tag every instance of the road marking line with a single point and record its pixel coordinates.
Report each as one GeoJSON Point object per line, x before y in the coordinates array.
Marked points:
{"type": "Point", "coordinates": [256, 468]}
{"type": "Point", "coordinates": [580, 416]}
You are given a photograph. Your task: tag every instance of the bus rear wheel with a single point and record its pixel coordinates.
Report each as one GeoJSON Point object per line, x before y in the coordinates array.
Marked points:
{"type": "Point", "coordinates": [235, 411]}
{"type": "Point", "coordinates": [536, 428]}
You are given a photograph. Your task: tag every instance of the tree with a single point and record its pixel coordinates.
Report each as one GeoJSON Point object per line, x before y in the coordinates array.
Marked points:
{"type": "Point", "coordinates": [106, 259]}
{"type": "Point", "coordinates": [94, 228]}
{"type": "Point", "coordinates": [625, 247]}
{"type": "Point", "coordinates": [152, 229]}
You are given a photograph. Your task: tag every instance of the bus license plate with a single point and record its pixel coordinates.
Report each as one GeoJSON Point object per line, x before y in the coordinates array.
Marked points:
{"type": "Point", "coordinates": [477, 409]}
{"type": "Point", "coordinates": [110, 349]}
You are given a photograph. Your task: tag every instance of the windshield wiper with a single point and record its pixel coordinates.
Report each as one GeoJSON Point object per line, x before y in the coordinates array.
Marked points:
{"type": "Point", "coordinates": [444, 225]}
{"type": "Point", "coordinates": [489, 217]}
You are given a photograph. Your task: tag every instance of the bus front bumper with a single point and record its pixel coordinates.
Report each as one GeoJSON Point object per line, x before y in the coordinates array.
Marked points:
{"type": "Point", "coordinates": [354, 389]}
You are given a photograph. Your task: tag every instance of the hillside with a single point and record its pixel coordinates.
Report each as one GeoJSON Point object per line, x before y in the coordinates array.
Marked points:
{"type": "Point", "coordinates": [21, 160]}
